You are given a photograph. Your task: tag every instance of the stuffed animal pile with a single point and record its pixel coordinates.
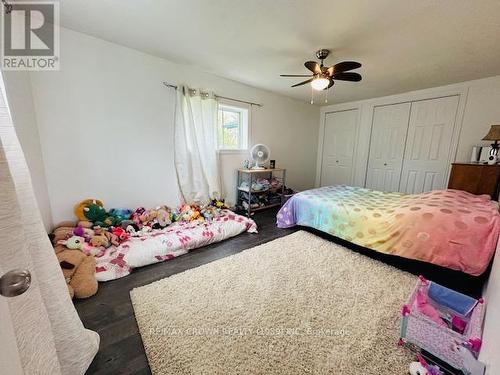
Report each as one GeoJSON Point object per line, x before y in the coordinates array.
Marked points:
{"type": "Point", "coordinates": [78, 243]}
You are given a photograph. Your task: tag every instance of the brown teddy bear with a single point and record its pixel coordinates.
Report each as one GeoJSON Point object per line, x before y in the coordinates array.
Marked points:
{"type": "Point", "coordinates": [62, 232]}
{"type": "Point", "coordinates": [79, 271]}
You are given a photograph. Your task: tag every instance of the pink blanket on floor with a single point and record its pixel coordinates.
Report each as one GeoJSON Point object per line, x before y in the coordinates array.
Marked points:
{"type": "Point", "coordinates": [165, 244]}
{"type": "Point", "coordinates": [450, 228]}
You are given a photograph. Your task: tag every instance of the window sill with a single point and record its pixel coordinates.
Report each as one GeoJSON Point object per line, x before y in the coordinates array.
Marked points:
{"type": "Point", "coordinates": [239, 151]}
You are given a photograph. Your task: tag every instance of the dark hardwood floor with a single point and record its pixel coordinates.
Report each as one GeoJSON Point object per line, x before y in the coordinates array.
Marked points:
{"type": "Point", "coordinates": [110, 311]}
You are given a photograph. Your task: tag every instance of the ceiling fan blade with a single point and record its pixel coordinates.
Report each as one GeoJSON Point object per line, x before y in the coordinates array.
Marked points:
{"type": "Point", "coordinates": [347, 76]}
{"type": "Point", "coordinates": [295, 75]}
{"type": "Point", "coordinates": [332, 82]}
{"type": "Point", "coordinates": [343, 66]}
{"type": "Point", "coordinates": [303, 83]}
{"type": "Point", "coordinates": [313, 66]}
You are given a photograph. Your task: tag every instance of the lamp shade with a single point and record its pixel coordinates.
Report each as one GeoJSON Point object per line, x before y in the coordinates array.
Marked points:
{"type": "Point", "coordinates": [493, 134]}
{"type": "Point", "coordinates": [321, 83]}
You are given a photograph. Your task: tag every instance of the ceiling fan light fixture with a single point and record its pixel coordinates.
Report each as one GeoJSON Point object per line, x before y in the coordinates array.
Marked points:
{"type": "Point", "coordinates": [320, 83]}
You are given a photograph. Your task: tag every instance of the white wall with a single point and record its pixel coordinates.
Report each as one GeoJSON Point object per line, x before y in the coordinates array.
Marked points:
{"type": "Point", "coordinates": [490, 351]}
{"type": "Point", "coordinates": [20, 102]}
{"type": "Point", "coordinates": [105, 122]}
{"type": "Point", "coordinates": [479, 107]}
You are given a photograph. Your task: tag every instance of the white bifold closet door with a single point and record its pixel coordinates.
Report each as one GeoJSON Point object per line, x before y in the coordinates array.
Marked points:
{"type": "Point", "coordinates": [338, 148]}
{"type": "Point", "coordinates": [387, 146]}
{"type": "Point", "coordinates": [428, 145]}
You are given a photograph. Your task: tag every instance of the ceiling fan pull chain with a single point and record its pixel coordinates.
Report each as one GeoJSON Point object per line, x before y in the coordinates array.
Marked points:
{"type": "Point", "coordinates": [326, 95]}
{"type": "Point", "coordinates": [312, 95]}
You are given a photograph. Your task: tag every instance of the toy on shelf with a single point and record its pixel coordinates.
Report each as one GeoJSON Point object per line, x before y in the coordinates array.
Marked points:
{"type": "Point", "coordinates": [443, 322]}
{"type": "Point", "coordinates": [259, 189]}
{"type": "Point", "coordinates": [427, 309]}
{"type": "Point", "coordinates": [421, 367]}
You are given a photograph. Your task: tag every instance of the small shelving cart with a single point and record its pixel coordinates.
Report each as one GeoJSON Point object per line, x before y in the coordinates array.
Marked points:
{"type": "Point", "coordinates": [246, 194]}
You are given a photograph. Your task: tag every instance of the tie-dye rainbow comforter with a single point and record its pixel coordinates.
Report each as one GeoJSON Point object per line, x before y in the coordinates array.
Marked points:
{"type": "Point", "coordinates": [450, 228]}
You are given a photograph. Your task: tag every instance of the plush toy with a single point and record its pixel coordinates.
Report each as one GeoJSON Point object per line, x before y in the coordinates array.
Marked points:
{"type": "Point", "coordinates": [115, 241]}
{"type": "Point", "coordinates": [78, 243]}
{"type": "Point", "coordinates": [148, 217]}
{"type": "Point", "coordinates": [79, 271]}
{"type": "Point", "coordinates": [109, 221]}
{"type": "Point", "coordinates": [136, 216]}
{"type": "Point", "coordinates": [275, 183]}
{"type": "Point", "coordinates": [187, 212]}
{"type": "Point", "coordinates": [121, 214]}
{"type": "Point", "coordinates": [98, 215]}
{"type": "Point", "coordinates": [73, 242]}
{"type": "Point", "coordinates": [423, 368]}
{"type": "Point", "coordinates": [163, 217]}
{"type": "Point", "coordinates": [100, 240]}
{"type": "Point", "coordinates": [213, 209]}
{"type": "Point", "coordinates": [210, 212]}
{"type": "Point", "coordinates": [61, 233]}
{"type": "Point", "coordinates": [121, 234]}
{"type": "Point", "coordinates": [85, 224]}
{"type": "Point", "coordinates": [219, 203]}
{"type": "Point", "coordinates": [80, 207]}
{"type": "Point", "coordinates": [427, 309]}
{"type": "Point", "coordinates": [416, 368]}
{"type": "Point", "coordinates": [86, 233]}
{"type": "Point", "coordinates": [94, 213]}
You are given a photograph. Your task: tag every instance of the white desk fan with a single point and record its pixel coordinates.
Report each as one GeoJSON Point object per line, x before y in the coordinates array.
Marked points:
{"type": "Point", "coordinates": [259, 153]}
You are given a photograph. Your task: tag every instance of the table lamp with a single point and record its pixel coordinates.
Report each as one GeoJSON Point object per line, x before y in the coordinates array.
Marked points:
{"type": "Point", "coordinates": [493, 135]}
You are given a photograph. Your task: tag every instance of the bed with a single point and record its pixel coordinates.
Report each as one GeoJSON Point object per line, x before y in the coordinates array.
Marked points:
{"type": "Point", "coordinates": [164, 244]}
{"type": "Point", "coordinates": [449, 228]}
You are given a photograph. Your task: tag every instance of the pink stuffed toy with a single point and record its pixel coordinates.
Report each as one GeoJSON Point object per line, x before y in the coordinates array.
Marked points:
{"type": "Point", "coordinates": [427, 309]}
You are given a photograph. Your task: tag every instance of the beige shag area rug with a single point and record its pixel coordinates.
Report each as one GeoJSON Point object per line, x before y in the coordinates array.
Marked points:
{"type": "Point", "coordinates": [296, 305]}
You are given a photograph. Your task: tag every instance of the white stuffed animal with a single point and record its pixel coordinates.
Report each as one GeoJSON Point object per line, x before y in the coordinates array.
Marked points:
{"type": "Point", "coordinates": [416, 368]}
{"type": "Point", "coordinates": [421, 367]}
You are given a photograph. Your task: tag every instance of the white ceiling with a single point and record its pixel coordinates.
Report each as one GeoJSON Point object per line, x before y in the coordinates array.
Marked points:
{"type": "Point", "coordinates": [403, 44]}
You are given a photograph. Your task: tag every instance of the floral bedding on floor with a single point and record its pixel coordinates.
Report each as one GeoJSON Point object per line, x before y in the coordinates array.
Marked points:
{"type": "Point", "coordinates": [168, 243]}
{"type": "Point", "coordinates": [106, 244]}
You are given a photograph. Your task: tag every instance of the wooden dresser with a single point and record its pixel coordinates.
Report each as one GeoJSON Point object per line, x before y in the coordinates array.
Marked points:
{"type": "Point", "coordinates": [475, 178]}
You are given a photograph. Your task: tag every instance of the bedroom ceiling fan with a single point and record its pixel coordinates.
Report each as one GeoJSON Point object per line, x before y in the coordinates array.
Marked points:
{"type": "Point", "coordinates": [323, 77]}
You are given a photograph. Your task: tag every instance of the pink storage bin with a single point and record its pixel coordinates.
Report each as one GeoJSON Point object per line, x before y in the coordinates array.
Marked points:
{"type": "Point", "coordinates": [440, 341]}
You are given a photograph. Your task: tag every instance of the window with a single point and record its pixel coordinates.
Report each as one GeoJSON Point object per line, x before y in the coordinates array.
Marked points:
{"type": "Point", "coordinates": [233, 127]}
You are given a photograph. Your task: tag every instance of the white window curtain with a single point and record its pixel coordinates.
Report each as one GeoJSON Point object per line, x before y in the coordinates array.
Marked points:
{"type": "Point", "coordinates": [40, 331]}
{"type": "Point", "coordinates": [195, 145]}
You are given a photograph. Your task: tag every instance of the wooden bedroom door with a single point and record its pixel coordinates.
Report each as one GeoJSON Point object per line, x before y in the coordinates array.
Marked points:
{"type": "Point", "coordinates": [338, 148]}
{"type": "Point", "coordinates": [387, 146]}
{"type": "Point", "coordinates": [428, 145]}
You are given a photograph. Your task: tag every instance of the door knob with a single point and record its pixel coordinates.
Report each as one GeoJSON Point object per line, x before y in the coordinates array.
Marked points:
{"type": "Point", "coordinates": [15, 283]}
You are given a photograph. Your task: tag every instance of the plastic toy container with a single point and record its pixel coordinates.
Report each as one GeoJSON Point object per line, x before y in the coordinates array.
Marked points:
{"type": "Point", "coordinates": [441, 341]}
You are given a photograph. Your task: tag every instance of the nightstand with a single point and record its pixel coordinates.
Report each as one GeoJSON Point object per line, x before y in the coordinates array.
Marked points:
{"type": "Point", "coordinates": [475, 178]}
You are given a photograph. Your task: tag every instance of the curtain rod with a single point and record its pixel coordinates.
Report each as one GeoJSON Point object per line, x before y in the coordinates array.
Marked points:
{"type": "Point", "coordinates": [220, 97]}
